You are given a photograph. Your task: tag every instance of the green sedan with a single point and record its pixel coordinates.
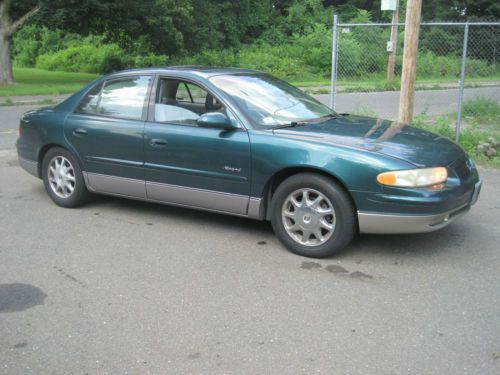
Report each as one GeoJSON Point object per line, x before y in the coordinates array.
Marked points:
{"type": "Point", "coordinates": [242, 142]}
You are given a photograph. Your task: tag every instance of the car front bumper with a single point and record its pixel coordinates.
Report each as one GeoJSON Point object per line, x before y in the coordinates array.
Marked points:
{"type": "Point", "coordinates": [380, 223]}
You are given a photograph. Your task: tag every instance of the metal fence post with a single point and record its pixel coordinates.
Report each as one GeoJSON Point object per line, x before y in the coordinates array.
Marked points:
{"type": "Point", "coordinates": [462, 81]}
{"type": "Point", "coordinates": [334, 61]}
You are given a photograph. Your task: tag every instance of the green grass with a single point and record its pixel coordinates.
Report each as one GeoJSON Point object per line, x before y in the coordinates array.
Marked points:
{"type": "Point", "coordinates": [374, 82]}
{"type": "Point", "coordinates": [42, 82]}
{"type": "Point", "coordinates": [485, 110]}
{"type": "Point", "coordinates": [7, 102]}
{"type": "Point", "coordinates": [481, 121]}
{"type": "Point", "coordinates": [319, 82]}
{"type": "Point", "coordinates": [484, 114]}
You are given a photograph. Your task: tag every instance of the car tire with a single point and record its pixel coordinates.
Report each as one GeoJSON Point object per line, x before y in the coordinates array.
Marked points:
{"type": "Point", "coordinates": [313, 215]}
{"type": "Point", "coordinates": [63, 178]}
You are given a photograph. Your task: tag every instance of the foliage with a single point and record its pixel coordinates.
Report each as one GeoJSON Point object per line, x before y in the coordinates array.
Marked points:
{"type": "Point", "coordinates": [150, 59]}
{"type": "Point", "coordinates": [473, 134]}
{"type": "Point", "coordinates": [85, 58]}
{"type": "Point", "coordinates": [483, 109]}
{"type": "Point", "coordinates": [58, 50]}
{"type": "Point", "coordinates": [32, 41]}
{"type": "Point", "coordinates": [289, 38]}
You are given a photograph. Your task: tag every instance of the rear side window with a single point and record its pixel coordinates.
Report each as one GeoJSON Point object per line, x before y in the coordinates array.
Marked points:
{"type": "Point", "coordinates": [122, 98]}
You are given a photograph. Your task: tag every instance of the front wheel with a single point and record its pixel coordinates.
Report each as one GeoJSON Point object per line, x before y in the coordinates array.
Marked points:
{"type": "Point", "coordinates": [313, 215]}
{"type": "Point", "coordinates": [63, 178]}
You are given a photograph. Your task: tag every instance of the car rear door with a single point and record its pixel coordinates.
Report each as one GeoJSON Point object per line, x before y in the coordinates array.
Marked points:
{"type": "Point", "coordinates": [193, 166]}
{"type": "Point", "coordinates": [107, 130]}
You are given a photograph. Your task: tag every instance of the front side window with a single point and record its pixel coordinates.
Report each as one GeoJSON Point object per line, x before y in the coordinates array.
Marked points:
{"type": "Point", "coordinates": [268, 101]}
{"type": "Point", "coordinates": [188, 92]}
{"type": "Point", "coordinates": [123, 98]}
{"type": "Point", "coordinates": [183, 102]}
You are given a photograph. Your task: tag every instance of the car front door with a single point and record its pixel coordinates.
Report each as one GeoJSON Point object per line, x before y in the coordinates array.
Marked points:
{"type": "Point", "coordinates": [107, 130]}
{"type": "Point", "coordinates": [189, 165]}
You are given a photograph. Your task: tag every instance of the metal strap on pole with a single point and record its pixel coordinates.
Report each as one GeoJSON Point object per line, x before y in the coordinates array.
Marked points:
{"type": "Point", "coordinates": [462, 81]}
{"type": "Point", "coordinates": [334, 61]}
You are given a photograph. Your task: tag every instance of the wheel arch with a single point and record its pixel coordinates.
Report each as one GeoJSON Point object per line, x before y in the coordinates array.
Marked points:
{"type": "Point", "coordinates": [45, 148]}
{"type": "Point", "coordinates": [276, 179]}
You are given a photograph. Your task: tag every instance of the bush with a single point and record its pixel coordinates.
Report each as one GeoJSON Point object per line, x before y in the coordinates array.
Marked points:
{"type": "Point", "coordinates": [32, 41]}
{"type": "Point", "coordinates": [281, 66]}
{"type": "Point", "coordinates": [471, 136]}
{"type": "Point", "coordinates": [226, 57]}
{"type": "Point", "coordinates": [143, 61]}
{"type": "Point", "coordinates": [62, 51]}
{"type": "Point", "coordinates": [86, 59]}
{"type": "Point", "coordinates": [481, 68]}
{"type": "Point", "coordinates": [102, 59]}
{"type": "Point", "coordinates": [431, 66]}
{"type": "Point", "coordinates": [297, 57]}
{"type": "Point", "coordinates": [295, 52]}
{"type": "Point", "coordinates": [482, 108]}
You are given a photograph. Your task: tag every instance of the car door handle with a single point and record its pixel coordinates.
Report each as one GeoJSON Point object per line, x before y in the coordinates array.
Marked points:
{"type": "Point", "coordinates": [80, 131]}
{"type": "Point", "coordinates": [158, 142]}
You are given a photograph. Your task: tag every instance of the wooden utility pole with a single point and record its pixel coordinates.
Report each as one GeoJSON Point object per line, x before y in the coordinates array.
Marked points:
{"type": "Point", "coordinates": [412, 28]}
{"type": "Point", "coordinates": [391, 62]}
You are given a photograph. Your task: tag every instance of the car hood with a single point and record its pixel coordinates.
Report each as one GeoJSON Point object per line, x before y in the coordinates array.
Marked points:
{"type": "Point", "coordinates": [413, 145]}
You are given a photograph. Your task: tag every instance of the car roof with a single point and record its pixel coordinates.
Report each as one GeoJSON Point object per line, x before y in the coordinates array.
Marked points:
{"type": "Point", "coordinates": [198, 70]}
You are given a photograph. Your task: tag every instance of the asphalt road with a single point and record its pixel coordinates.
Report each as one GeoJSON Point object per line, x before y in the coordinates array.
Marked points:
{"type": "Point", "coordinates": [386, 104]}
{"type": "Point", "coordinates": [120, 286]}
{"type": "Point", "coordinates": [9, 122]}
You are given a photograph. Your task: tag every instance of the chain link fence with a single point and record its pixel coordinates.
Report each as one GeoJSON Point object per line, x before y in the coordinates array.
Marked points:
{"type": "Point", "coordinates": [456, 62]}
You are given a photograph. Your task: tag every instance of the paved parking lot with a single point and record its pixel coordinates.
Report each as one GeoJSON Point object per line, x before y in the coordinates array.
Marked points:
{"type": "Point", "coordinates": [120, 286]}
{"type": "Point", "coordinates": [128, 287]}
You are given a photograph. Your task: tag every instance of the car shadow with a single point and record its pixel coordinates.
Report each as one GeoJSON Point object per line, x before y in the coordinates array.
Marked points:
{"type": "Point", "coordinates": [441, 242]}
{"type": "Point", "coordinates": [420, 244]}
{"type": "Point", "coordinates": [99, 202]}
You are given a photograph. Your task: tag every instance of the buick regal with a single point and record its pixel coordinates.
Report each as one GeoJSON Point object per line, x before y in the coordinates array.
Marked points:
{"type": "Point", "coordinates": [244, 143]}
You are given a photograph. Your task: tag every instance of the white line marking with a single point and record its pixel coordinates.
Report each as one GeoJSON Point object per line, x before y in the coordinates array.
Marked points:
{"type": "Point", "coordinates": [11, 131]}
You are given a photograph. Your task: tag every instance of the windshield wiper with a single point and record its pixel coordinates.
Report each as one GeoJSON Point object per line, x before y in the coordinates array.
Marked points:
{"type": "Point", "coordinates": [292, 124]}
{"type": "Point", "coordinates": [331, 115]}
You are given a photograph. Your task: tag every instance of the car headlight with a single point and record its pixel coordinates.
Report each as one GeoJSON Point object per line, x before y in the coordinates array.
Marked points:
{"type": "Point", "coordinates": [414, 177]}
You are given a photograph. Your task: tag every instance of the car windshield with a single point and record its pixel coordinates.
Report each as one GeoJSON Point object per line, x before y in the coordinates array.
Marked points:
{"type": "Point", "coordinates": [268, 101]}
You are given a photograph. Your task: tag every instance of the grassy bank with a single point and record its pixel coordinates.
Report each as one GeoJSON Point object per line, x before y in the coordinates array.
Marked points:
{"type": "Point", "coordinates": [41, 82]}
{"type": "Point", "coordinates": [481, 124]}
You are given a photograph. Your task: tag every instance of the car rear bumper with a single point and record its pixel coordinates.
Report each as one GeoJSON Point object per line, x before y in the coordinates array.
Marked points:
{"type": "Point", "coordinates": [29, 166]}
{"type": "Point", "coordinates": [372, 222]}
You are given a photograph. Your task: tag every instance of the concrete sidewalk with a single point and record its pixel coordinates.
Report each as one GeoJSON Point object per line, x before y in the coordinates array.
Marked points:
{"type": "Point", "coordinates": [32, 99]}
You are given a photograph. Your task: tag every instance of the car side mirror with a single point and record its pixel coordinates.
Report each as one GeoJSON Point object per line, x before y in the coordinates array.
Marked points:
{"type": "Point", "coordinates": [215, 120]}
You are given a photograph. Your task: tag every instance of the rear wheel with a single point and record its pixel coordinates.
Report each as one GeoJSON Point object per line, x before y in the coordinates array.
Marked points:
{"type": "Point", "coordinates": [63, 178]}
{"type": "Point", "coordinates": [313, 215]}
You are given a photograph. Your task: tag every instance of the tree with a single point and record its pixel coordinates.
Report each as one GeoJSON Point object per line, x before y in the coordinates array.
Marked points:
{"type": "Point", "coordinates": [8, 27]}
